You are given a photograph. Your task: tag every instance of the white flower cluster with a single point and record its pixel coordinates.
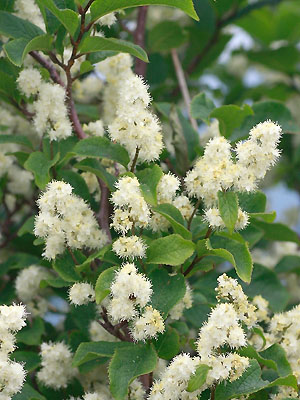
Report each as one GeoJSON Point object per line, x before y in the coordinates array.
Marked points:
{"type": "Point", "coordinates": [130, 210]}
{"type": "Point", "coordinates": [94, 128]}
{"type": "Point", "coordinates": [185, 303]}
{"type": "Point", "coordinates": [28, 288]}
{"type": "Point", "coordinates": [228, 289]}
{"type": "Point", "coordinates": [284, 329]}
{"type": "Point", "coordinates": [131, 292]}
{"type": "Point", "coordinates": [222, 328]}
{"type": "Point", "coordinates": [12, 374]}
{"type": "Point", "coordinates": [66, 220]}
{"type": "Point", "coordinates": [217, 171]}
{"type": "Point", "coordinates": [173, 381]}
{"type": "Point", "coordinates": [116, 70]}
{"type": "Point", "coordinates": [135, 126]}
{"type": "Point", "coordinates": [51, 113]}
{"type": "Point", "coordinates": [81, 293]}
{"type": "Point", "coordinates": [166, 190]}
{"type": "Point", "coordinates": [57, 370]}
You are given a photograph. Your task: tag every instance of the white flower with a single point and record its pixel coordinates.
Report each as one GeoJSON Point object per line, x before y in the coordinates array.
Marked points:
{"type": "Point", "coordinates": [148, 325]}
{"type": "Point", "coordinates": [108, 19]}
{"type": "Point", "coordinates": [57, 370]}
{"type": "Point", "coordinates": [28, 282]}
{"type": "Point", "coordinates": [12, 317]}
{"type": "Point", "coordinates": [66, 220]}
{"type": "Point", "coordinates": [129, 290]}
{"type": "Point", "coordinates": [185, 303]}
{"type": "Point", "coordinates": [29, 81]}
{"type": "Point", "coordinates": [81, 293]}
{"type": "Point", "coordinates": [94, 128]}
{"type": "Point", "coordinates": [129, 247]}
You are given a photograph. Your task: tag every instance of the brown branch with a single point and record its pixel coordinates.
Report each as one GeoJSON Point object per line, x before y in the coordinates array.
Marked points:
{"type": "Point", "coordinates": [197, 259]}
{"type": "Point", "coordinates": [49, 66]}
{"type": "Point", "coordinates": [135, 159]}
{"type": "Point", "coordinates": [139, 39]}
{"type": "Point", "coordinates": [183, 86]}
{"type": "Point", "coordinates": [193, 214]}
{"type": "Point", "coordinates": [103, 214]}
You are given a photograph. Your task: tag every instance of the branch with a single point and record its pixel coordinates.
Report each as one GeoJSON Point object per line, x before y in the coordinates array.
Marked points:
{"type": "Point", "coordinates": [136, 156]}
{"type": "Point", "coordinates": [139, 39]}
{"type": "Point", "coordinates": [183, 86]}
{"type": "Point", "coordinates": [49, 66]}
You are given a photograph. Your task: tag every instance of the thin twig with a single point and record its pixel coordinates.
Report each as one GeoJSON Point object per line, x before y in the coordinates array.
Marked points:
{"type": "Point", "coordinates": [49, 66]}
{"type": "Point", "coordinates": [73, 256]}
{"type": "Point", "coordinates": [197, 259]}
{"type": "Point", "coordinates": [183, 86]}
{"type": "Point", "coordinates": [135, 159]}
{"type": "Point", "coordinates": [139, 39]}
{"type": "Point", "coordinates": [193, 214]}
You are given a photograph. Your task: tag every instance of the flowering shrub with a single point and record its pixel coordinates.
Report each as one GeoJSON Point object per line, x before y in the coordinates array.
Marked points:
{"type": "Point", "coordinates": [127, 243]}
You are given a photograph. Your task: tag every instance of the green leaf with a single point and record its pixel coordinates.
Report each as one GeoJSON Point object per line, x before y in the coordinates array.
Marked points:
{"type": "Point", "coordinates": [65, 268]}
{"type": "Point", "coordinates": [103, 284]}
{"type": "Point", "coordinates": [167, 345]}
{"type": "Point", "coordinates": [230, 117]}
{"type": "Point", "coordinates": [67, 17]}
{"type": "Point", "coordinates": [149, 179]}
{"type": "Point", "coordinates": [288, 264]}
{"type": "Point", "coordinates": [170, 250]}
{"type": "Point", "coordinates": [277, 231]}
{"type": "Point", "coordinates": [102, 7]}
{"type": "Point", "coordinates": [266, 283]}
{"type": "Point", "coordinates": [18, 139]}
{"type": "Point", "coordinates": [284, 58]}
{"type": "Point", "coordinates": [15, 27]}
{"type": "Point", "coordinates": [267, 217]}
{"type": "Point", "coordinates": [40, 166]}
{"type": "Point", "coordinates": [55, 282]}
{"type": "Point", "coordinates": [264, 110]}
{"type": "Point", "coordinates": [277, 354]}
{"type": "Point", "coordinates": [198, 378]}
{"type": "Point", "coordinates": [173, 215]}
{"type": "Point", "coordinates": [165, 36]}
{"type": "Point", "coordinates": [201, 107]}
{"type": "Point", "coordinates": [17, 49]}
{"type": "Point", "coordinates": [32, 360]}
{"type": "Point", "coordinates": [27, 227]}
{"type": "Point", "coordinates": [94, 166]}
{"type": "Point", "coordinates": [88, 351]}
{"type": "Point", "coordinates": [101, 147]}
{"type": "Point", "coordinates": [85, 67]}
{"type": "Point", "coordinates": [31, 335]}
{"type": "Point", "coordinates": [92, 44]}
{"type": "Point", "coordinates": [204, 248]}
{"type": "Point", "coordinates": [228, 207]}
{"type": "Point", "coordinates": [240, 251]}
{"type": "Point", "coordinates": [253, 202]}
{"type": "Point", "coordinates": [167, 290]}
{"type": "Point", "coordinates": [250, 382]}
{"type": "Point", "coordinates": [28, 393]}
{"type": "Point", "coordinates": [127, 364]}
